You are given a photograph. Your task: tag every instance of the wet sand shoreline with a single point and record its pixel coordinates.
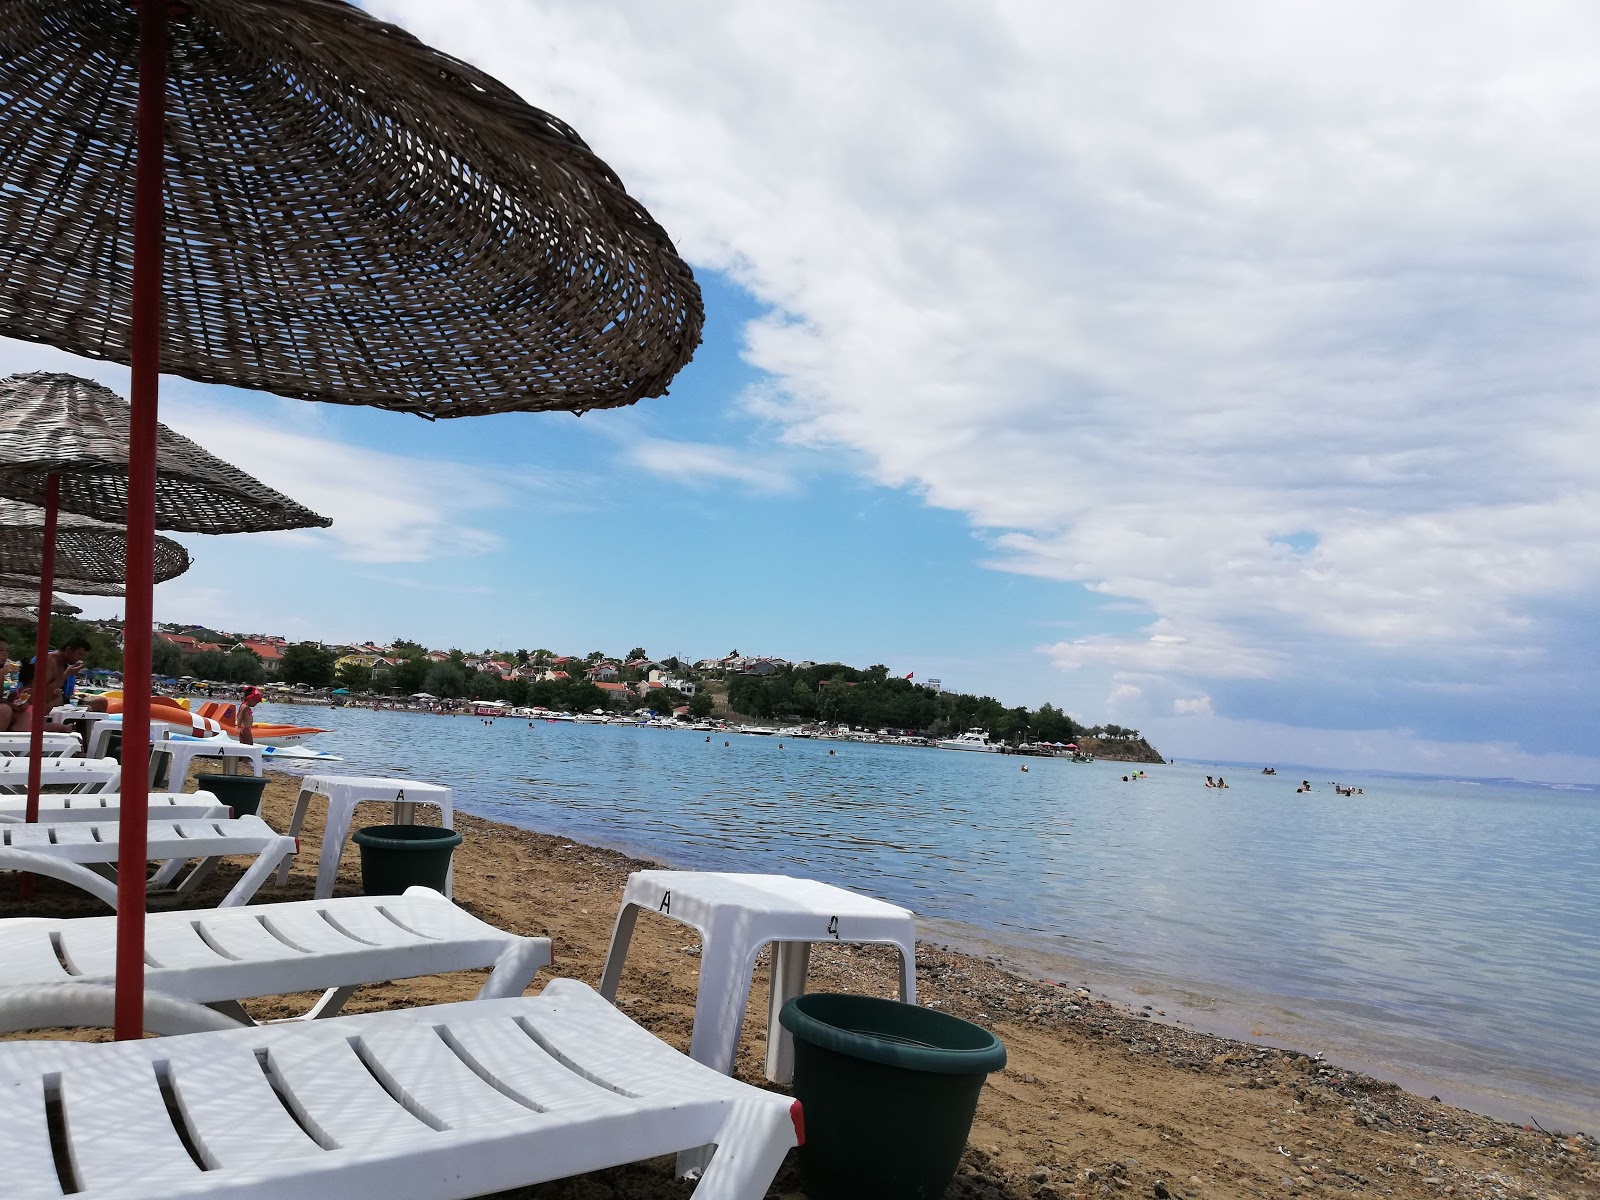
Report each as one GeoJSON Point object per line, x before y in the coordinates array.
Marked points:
{"type": "Point", "coordinates": [1097, 1099]}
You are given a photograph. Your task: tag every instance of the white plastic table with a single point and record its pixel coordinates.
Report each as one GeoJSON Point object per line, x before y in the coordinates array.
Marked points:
{"type": "Point", "coordinates": [56, 745]}
{"type": "Point", "coordinates": [736, 916]}
{"type": "Point", "coordinates": [185, 750]}
{"type": "Point", "coordinates": [343, 793]}
{"type": "Point", "coordinates": [88, 724]}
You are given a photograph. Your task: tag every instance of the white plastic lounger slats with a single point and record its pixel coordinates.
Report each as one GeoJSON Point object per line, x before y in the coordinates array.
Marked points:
{"type": "Point", "coordinates": [78, 774]}
{"type": "Point", "coordinates": [56, 745]}
{"type": "Point", "coordinates": [251, 1126]}
{"type": "Point", "coordinates": [106, 806]}
{"type": "Point", "coordinates": [417, 1104]}
{"type": "Point", "coordinates": [30, 1170]}
{"type": "Point", "coordinates": [216, 955]}
{"type": "Point", "coordinates": [171, 842]}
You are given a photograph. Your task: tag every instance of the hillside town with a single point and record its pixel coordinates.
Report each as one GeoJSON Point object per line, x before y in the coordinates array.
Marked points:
{"type": "Point", "coordinates": [755, 692]}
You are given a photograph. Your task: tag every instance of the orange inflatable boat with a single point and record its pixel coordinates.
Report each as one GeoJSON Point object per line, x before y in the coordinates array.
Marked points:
{"type": "Point", "coordinates": [216, 718]}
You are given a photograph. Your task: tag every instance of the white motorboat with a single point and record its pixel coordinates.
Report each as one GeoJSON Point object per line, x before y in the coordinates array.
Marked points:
{"type": "Point", "coordinates": [972, 739]}
{"type": "Point", "coordinates": [762, 730]}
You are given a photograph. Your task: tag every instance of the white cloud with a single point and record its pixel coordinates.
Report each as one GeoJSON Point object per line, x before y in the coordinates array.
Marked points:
{"type": "Point", "coordinates": [1143, 289]}
{"type": "Point", "coordinates": [697, 463]}
{"type": "Point", "coordinates": [1199, 706]}
{"type": "Point", "coordinates": [386, 508]}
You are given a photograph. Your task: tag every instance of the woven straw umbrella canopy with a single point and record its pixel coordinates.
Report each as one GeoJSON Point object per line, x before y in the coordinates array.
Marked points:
{"type": "Point", "coordinates": [72, 587]}
{"type": "Point", "coordinates": [350, 215]}
{"type": "Point", "coordinates": [23, 603]}
{"type": "Point", "coordinates": [318, 206]}
{"type": "Point", "coordinates": [78, 429]}
{"type": "Point", "coordinates": [89, 553]}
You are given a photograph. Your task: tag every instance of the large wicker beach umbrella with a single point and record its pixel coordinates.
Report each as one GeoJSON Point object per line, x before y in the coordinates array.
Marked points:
{"type": "Point", "coordinates": [330, 210]}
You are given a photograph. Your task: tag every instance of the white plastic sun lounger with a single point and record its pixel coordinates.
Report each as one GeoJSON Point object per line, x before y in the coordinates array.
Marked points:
{"type": "Point", "coordinates": [217, 956]}
{"type": "Point", "coordinates": [105, 806]}
{"type": "Point", "coordinates": [437, 1103]}
{"type": "Point", "coordinates": [173, 843]}
{"type": "Point", "coordinates": [73, 774]}
{"type": "Point", "coordinates": [56, 745]}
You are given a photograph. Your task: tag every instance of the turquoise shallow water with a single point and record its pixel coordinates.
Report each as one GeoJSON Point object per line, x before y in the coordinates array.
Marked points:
{"type": "Point", "coordinates": [1441, 932]}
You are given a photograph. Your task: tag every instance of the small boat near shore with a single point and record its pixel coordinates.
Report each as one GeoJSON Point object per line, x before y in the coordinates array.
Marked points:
{"type": "Point", "coordinates": [972, 739]}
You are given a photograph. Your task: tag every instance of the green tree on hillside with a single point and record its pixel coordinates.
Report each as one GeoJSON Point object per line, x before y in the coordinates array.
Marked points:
{"type": "Point", "coordinates": [355, 676]}
{"type": "Point", "coordinates": [307, 663]}
{"type": "Point", "coordinates": [446, 679]}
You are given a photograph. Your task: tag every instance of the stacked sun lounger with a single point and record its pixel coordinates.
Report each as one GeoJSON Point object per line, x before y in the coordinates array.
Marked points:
{"type": "Point", "coordinates": [434, 1103]}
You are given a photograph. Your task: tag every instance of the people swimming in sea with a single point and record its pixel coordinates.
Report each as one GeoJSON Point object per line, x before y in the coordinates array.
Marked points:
{"type": "Point", "coordinates": [1210, 782]}
{"type": "Point", "coordinates": [1023, 769]}
{"type": "Point", "coordinates": [1221, 782]}
{"type": "Point", "coordinates": [1124, 779]}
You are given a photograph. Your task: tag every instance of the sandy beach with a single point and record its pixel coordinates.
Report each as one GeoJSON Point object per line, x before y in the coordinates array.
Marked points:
{"type": "Point", "coordinates": [1097, 1099]}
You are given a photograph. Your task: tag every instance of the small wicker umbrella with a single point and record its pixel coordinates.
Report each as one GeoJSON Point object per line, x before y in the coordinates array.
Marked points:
{"type": "Point", "coordinates": [91, 557]}
{"type": "Point", "coordinates": [63, 442]}
{"type": "Point", "coordinates": [353, 217]}
{"type": "Point", "coordinates": [90, 553]}
{"type": "Point", "coordinates": [64, 583]}
{"type": "Point", "coordinates": [77, 429]}
{"type": "Point", "coordinates": [23, 601]}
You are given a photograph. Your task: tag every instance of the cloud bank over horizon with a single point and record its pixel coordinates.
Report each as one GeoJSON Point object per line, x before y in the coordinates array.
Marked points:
{"type": "Point", "coordinates": [1268, 324]}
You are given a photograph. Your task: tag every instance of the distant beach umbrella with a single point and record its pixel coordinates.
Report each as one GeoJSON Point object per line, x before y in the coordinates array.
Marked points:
{"type": "Point", "coordinates": [90, 555]}
{"type": "Point", "coordinates": [64, 446]}
{"type": "Point", "coordinates": [77, 429]}
{"type": "Point", "coordinates": [329, 210]}
{"type": "Point", "coordinates": [72, 587]}
{"type": "Point", "coordinates": [23, 601]}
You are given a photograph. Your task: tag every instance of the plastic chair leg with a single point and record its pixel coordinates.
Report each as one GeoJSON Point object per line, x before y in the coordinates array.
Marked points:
{"type": "Point", "coordinates": [621, 935]}
{"type": "Point", "coordinates": [790, 961]}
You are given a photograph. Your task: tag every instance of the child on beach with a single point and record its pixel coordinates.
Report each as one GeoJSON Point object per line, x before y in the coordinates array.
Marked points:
{"type": "Point", "coordinates": [247, 716]}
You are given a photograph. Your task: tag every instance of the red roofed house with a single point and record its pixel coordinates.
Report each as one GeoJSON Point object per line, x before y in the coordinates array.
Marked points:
{"type": "Point", "coordinates": [182, 641]}
{"type": "Point", "coordinates": [615, 687]}
{"type": "Point", "coordinates": [269, 654]}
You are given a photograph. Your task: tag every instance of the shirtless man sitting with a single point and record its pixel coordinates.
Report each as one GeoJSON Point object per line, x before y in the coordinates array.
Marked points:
{"type": "Point", "coordinates": [58, 664]}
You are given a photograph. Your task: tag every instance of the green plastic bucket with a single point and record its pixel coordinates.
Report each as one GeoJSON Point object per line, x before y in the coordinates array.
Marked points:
{"type": "Point", "coordinates": [242, 793]}
{"type": "Point", "coordinates": [888, 1091]}
{"type": "Point", "coordinates": [395, 857]}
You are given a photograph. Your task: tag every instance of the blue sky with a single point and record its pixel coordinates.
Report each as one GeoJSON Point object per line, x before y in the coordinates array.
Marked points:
{"type": "Point", "coordinates": [1230, 375]}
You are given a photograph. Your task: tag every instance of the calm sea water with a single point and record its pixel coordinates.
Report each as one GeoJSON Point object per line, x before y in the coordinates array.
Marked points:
{"type": "Point", "coordinates": [1442, 932]}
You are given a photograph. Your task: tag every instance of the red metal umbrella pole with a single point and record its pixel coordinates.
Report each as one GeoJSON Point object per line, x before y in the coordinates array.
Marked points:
{"type": "Point", "coordinates": [145, 351]}
{"type": "Point", "coordinates": [41, 648]}
{"type": "Point", "coordinates": [38, 705]}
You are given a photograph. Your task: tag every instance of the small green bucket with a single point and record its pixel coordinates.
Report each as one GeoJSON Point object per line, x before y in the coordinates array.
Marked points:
{"type": "Point", "coordinates": [242, 793]}
{"type": "Point", "coordinates": [395, 857]}
{"type": "Point", "coordinates": [888, 1091]}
